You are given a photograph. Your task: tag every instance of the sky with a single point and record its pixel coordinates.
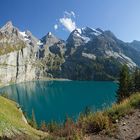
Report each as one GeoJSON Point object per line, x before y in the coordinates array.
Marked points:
{"type": "Point", "coordinates": [60, 17]}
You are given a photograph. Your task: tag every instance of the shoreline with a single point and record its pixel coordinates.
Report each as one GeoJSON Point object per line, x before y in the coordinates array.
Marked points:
{"type": "Point", "coordinates": [35, 80]}
{"type": "Point", "coordinates": [51, 79]}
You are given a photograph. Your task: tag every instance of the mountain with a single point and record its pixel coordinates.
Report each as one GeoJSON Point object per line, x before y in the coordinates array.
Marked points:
{"type": "Point", "coordinates": [17, 54]}
{"type": "Point", "coordinates": [96, 54]}
{"type": "Point", "coordinates": [136, 45]}
{"type": "Point", "coordinates": [87, 54]}
{"type": "Point", "coordinates": [52, 44]}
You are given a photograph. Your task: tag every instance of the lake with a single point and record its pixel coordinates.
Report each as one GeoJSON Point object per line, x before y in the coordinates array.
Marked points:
{"type": "Point", "coordinates": [54, 100]}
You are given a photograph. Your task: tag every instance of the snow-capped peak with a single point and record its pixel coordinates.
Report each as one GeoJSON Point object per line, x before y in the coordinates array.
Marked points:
{"type": "Point", "coordinates": [79, 30]}
{"type": "Point", "coordinates": [86, 33]}
{"type": "Point", "coordinates": [91, 31]}
{"type": "Point", "coordinates": [49, 33]}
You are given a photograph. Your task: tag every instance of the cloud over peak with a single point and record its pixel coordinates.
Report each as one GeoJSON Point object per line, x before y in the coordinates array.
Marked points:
{"type": "Point", "coordinates": [67, 21]}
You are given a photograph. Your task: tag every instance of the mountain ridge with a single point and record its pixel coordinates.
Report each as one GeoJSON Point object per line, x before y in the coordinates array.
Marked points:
{"type": "Point", "coordinates": [87, 54]}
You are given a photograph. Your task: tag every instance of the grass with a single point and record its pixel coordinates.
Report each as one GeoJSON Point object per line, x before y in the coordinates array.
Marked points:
{"type": "Point", "coordinates": [106, 120]}
{"type": "Point", "coordinates": [94, 122]}
{"type": "Point", "coordinates": [8, 48]}
{"type": "Point", "coordinates": [125, 107]}
{"type": "Point", "coordinates": [13, 124]}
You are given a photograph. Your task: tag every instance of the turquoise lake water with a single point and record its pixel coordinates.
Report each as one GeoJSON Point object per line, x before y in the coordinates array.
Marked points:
{"type": "Point", "coordinates": [54, 100]}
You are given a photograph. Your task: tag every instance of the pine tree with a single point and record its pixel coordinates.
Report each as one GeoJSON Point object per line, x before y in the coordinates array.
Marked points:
{"type": "Point", "coordinates": [124, 84]}
{"type": "Point", "coordinates": [131, 84]}
{"type": "Point", "coordinates": [137, 80]}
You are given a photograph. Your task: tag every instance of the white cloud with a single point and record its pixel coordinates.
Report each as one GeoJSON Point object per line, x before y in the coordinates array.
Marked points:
{"type": "Point", "coordinates": [69, 14]}
{"type": "Point", "coordinates": [55, 26]}
{"type": "Point", "coordinates": [68, 23]}
{"type": "Point", "coordinates": [73, 14]}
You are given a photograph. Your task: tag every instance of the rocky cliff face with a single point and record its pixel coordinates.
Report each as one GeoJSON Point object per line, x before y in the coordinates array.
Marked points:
{"type": "Point", "coordinates": [88, 54]}
{"type": "Point", "coordinates": [16, 67]}
{"type": "Point", "coordinates": [17, 55]}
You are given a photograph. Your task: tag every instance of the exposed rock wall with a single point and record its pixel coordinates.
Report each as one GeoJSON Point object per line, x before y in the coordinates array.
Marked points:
{"type": "Point", "coordinates": [16, 67]}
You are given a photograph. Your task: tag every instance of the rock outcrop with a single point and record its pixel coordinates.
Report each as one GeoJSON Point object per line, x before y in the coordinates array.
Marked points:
{"type": "Point", "coordinates": [17, 55]}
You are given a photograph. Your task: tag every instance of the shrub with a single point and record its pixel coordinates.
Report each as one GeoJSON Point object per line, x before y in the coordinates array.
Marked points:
{"type": "Point", "coordinates": [53, 127]}
{"type": "Point", "coordinates": [125, 107]}
{"type": "Point", "coordinates": [94, 122]}
{"type": "Point", "coordinates": [118, 110]}
{"type": "Point", "coordinates": [69, 127]}
{"type": "Point", "coordinates": [43, 126]}
{"type": "Point", "coordinates": [135, 100]}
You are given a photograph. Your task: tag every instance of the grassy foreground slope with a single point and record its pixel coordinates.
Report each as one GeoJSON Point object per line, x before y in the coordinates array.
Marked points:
{"type": "Point", "coordinates": [116, 122]}
{"type": "Point", "coordinates": [95, 122]}
{"type": "Point", "coordinates": [13, 123]}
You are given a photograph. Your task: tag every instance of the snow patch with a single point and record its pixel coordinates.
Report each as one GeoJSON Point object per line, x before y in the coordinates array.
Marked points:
{"type": "Point", "coordinates": [79, 30]}
{"type": "Point", "coordinates": [80, 35]}
{"type": "Point", "coordinates": [92, 30]}
{"type": "Point", "coordinates": [39, 43]}
{"type": "Point", "coordinates": [24, 35]}
{"type": "Point", "coordinates": [86, 39]}
{"type": "Point", "coordinates": [97, 33]}
{"type": "Point", "coordinates": [49, 33]}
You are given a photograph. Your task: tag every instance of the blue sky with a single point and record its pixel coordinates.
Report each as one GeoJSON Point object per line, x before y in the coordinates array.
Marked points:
{"type": "Point", "coordinates": [122, 17]}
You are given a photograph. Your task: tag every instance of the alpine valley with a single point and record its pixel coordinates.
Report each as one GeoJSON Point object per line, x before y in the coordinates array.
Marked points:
{"type": "Point", "coordinates": [87, 54]}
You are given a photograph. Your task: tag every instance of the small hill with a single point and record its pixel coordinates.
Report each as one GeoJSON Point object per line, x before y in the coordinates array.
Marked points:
{"type": "Point", "coordinates": [13, 124]}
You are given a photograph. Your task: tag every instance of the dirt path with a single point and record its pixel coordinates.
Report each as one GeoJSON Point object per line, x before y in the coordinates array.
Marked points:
{"type": "Point", "coordinates": [128, 128]}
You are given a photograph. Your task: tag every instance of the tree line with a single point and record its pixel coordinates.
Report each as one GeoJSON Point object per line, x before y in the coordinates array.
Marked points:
{"type": "Point", "coordinates": [129, 83]}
